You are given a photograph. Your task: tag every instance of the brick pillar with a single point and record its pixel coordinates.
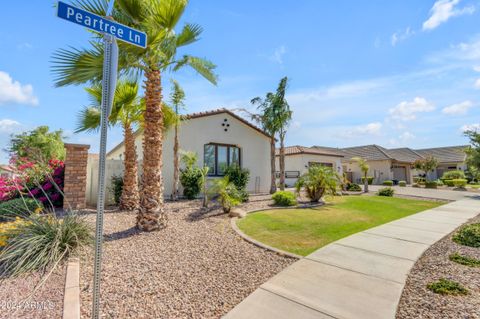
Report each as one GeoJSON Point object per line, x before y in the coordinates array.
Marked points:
{"type": "Point", "coordinates": [75, 176]}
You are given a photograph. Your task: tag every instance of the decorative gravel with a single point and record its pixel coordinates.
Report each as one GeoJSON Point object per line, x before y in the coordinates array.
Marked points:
{"type": "Point", "coordinates": [47, 302]}
{"type": "Point", "coordinates": [419, 302]}
{"type": "Point", "coordinates": [198, 267]}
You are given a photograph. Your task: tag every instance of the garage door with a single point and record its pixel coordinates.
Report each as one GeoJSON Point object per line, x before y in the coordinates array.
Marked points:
{"type": "Point", "coordinates": [400, 173]}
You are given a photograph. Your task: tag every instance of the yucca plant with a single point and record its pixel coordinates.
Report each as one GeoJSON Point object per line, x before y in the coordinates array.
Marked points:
{"type": "Point", "coordinates": [42, 242]}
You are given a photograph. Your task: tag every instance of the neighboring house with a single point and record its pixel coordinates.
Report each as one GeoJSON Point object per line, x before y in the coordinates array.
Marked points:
{"type": "Point", "coordinates": [220, 138]}
{"type": "Point", "coordinates": [6, 171]}
{"type": "Point", "coordinates": [393, 164]}
{"type": "Point", "coordinates": [449, 158]}
{"type": "Point", "coordinates": [299, 158]}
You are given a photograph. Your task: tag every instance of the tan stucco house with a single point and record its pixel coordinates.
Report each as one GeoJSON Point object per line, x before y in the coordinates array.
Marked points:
{"type": "Point", "coordinates": [299, 158]}
{"type": "Point", "coordinates": [449, 158]}
{"type": "Point", "coordinates": [219, 137]}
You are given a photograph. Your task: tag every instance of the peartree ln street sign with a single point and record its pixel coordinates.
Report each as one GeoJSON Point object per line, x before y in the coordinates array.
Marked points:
{"type": "Point", "coordinates": [101, 24]}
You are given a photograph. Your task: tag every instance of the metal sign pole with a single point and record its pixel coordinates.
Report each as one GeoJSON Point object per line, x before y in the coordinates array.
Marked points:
{"type": "Point", "coordinates": [109, 80]}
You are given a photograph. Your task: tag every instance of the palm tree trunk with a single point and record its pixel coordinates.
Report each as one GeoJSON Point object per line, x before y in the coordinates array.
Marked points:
{"type": "Point", "coordinates": [175, 165]}
{"type": "Point", "coordinates": [130, 196]}
{"type": "Point", "coordinates": [282, 161]}
{"type": "Point", "coordinates": [151, 213]}
{"type": "Point", "coordinates": [273, 182]}
{"type": "Point", "coordinates": [365, 183]}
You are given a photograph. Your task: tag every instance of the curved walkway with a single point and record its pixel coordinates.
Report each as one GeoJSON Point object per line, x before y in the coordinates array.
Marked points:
{"type": "Point", "coordinates": [360, 276]}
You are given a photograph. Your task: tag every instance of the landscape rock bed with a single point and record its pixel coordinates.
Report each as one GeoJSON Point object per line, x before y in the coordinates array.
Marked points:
{"type": "Point", "coordinates": [196, 268]}
{"type": "Point", "coordinates": [419, 302]}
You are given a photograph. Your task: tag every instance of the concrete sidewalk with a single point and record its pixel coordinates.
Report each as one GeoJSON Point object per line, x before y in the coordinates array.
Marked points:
{"type": "Point", "coordinates": [360, 276]}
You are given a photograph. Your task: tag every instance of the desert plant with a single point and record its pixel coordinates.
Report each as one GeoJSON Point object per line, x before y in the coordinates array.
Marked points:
{"type": "Point", "coordinates": [402, 183]}
{"type": "Point", "coordinates": [42, 242]}
{"type": "Point", "coordinates": [386, 191]}
{"type": "Point", "coordinates": [227, 193]}
{"type": "Point", "coordinates": [239, 177]}
{"type": "Point", "coordinates": [284, 198]}
{"type": "Point", "coordinates": [318, 181]}
{"type": "Point", "coordinates": [464, 260]}
{"type": "Point", "coordinates": [453, 174]}
{"type": "Point", "coordinates": [468, 235]}
{"type": "Point", "coordinates": [447, 287]}
{"type": "Point", "coordinates": [387, 183]}
{"type": "Point", "coordinates": [459, 182]}
{"type": "Point", "coordinates": [19, 207]}
{"type": "Point", "coordinates": [117, 188]}
{"type": "Point", "coordinates": [353, 187]}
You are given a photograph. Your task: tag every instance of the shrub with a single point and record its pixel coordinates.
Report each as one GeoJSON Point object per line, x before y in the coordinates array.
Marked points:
{"type": "Point", "coordinates": [227, 193]}
{"type": "Point", "coordinates": [191, 179]}
{"type": "Point", "coordinates": [448, 182]}
{"type": "Point", "coordinates": [402, 183]}
{"type": "Point", "coordinates": [352, 187]}
{"type": "Point", "coordinates": [386, 191]}
{"type": "Point", "coordinates": [117, 188]}
{"type": "Point", "coordinates": [439, 182]}
{"type": "Point", "coordinates": [459, 183]}
{"type": "Point", "coordinates": [19, 207]}
{"type": "Point", "coordinates": [388, 183]}
{"type": "Point", "coordinates": [419, 180]}
{"type": "Point", "coordinates": [369, 179]}
{"type": "Point", "coordinates": [468, 235]}
{"type": "Point", "coordinates": [317, 181]}
{"type": "Point", "coordinates": [6, 229]}
{"type": "Point", "coordinates": [42, 242]}
{"type": "Point", "coordinates": [431, 184]}
{"type": "Point", "coordinates": [239, 177]}
{"type": "Point", "coordinates": [447, 287]}
{"type": "Point", "coordinates": [284, 198]}
{"type": "Point", "coordinates": [464, 260]}
{"type": "Point", "coordinates": [457, 174]}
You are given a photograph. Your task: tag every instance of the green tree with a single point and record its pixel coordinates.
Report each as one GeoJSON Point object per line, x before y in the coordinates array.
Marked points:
{"type": "Point", "coordinates": [158, 19]}
{"type": "Point", "coordinates": [275, 117]}
{"type": "Point", "coordinates": [177, 99]}
{"type": "Point", "coordinates": [426, 165]}
{"type": "Point", "coordinates": [473, 151]}
{"type": "Point", "coordinates": [318, 181]}
{"type": "Point", "coordinates": [364, 167]}
{"type": "Point", "coordinates": [38, 145]}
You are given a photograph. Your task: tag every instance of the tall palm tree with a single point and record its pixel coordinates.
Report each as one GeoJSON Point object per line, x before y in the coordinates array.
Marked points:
{"type": "Point", "coordinates": [158, 19]}
{"type": "Point", "coordinates": [364, 167]}
{"type": "Point", "coordinates": [274, 117]}
{"type": "Point", "coordinates": [127, 111]}
{"type": "Point", "coordinates": [177, 97]}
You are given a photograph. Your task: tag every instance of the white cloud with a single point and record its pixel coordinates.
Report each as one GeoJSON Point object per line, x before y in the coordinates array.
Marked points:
{"type": "Point", "coordinates": [470, 127]}
{"type": "Point", "coordinates": [278, 54]}
{"type": "Point", "coordinates": [406, 136]}
{"type": "Point", "coordinates": [8, 126]}
{"type": "Point", "coordinates": [14, 92]}
{"type": "Point", "coordinates": [476, 68]}
{"type": "Point", "coordinates": [401, 36]}
{"type": "Point", "coordinates": [406, 111]}
{"type": "Point", "coordinates": [477, 84]}
{"type": "Point", "coordinates": [458, 108]}
{"type": "Point", "coordinates": [442, 11]}
{"type": "Point", "coordinates": [370, 129]}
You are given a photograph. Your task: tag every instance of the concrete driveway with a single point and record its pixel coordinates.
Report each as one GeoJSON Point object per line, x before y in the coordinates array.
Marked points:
{"type": "Point", "coordinates": [363, 275]}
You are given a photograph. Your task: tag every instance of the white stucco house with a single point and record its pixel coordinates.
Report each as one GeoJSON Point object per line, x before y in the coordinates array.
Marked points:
{"type": "Point", "coordinates": [299, 158]}
{"type": "Point", "coordinates": [219, 137]}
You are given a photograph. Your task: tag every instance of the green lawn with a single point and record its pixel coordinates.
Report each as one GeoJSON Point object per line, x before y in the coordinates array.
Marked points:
{"type": "Point", "coordinates": [302, 231]}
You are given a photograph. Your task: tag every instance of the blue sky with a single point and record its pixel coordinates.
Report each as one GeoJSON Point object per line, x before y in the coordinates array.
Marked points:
{"type": "Point", "coordinates": [396, 73]}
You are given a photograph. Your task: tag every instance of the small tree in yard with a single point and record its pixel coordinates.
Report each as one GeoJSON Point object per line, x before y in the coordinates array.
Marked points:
{"type": "Point", "coordinates": [227, 193]}
{"type": "Point", "coordinates": [364, 167]}
{"type": "Point", "coordinates": [177, 97]}
{"type": "Point", "coordinates": [318, 181]}
{"type": "Point", "coordinates": [38, 145]}
{"type": "Point", "coordinates": [426, 165]}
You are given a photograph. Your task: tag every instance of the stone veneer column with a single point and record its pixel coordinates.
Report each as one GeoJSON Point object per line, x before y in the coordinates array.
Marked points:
{"type": "Point", "coordinates": [75, 176]}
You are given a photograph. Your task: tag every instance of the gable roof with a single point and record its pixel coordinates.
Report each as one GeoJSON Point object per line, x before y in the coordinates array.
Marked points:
{"type": "Point", "coordinates": [314, 150]}
{"type": "Point", "coordinates": [446, 154]}
{"type": "Point", "coordinates": [204, 114]}
{"type": "Point", "coordinates": [404, 154]}
{"type": "Point", "coordinates": [368, 152]}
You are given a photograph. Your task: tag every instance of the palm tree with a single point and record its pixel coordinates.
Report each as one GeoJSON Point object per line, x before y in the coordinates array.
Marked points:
{"type": "Point", "coordinates": [127, 111]}
{"type": "Point", "coordinates": [177, 97]}
{"type": "Point", "coordinates": [274, 118]}
{"type": "Point", "coordinates": [318, 181]}
{"type": "Point", "coordinates": [364, 167]}
{"type": "Point", "coordinates": [158, 19]}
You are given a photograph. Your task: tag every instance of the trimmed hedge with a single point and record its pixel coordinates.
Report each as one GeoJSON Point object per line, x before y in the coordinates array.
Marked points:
{"type": "Point", "coordinates": [430, 184]}
{"type": "Point", "coordinates": [457, 174]}
{"type": "Point", "coordinates": [402, 183]}
{"type": "Point", "coordinates": [459, 182]}
{"type": "Point", "coordinates": [448, 182]}
{"type": "Point", "coordinates": [388, 183]}
{"type": "Point", "coordinates": [19, 207]}
{"type": "Point", "coordinates": [386, 191]}
{"type": "Point", "coordinates": [352, 187]}
{"type": "Point", "coordinates": [284, 198]}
